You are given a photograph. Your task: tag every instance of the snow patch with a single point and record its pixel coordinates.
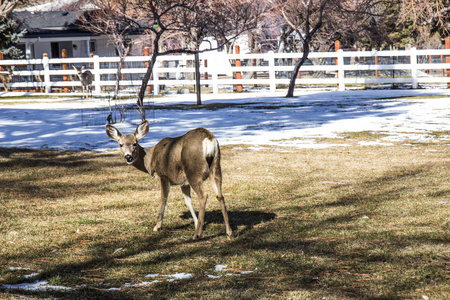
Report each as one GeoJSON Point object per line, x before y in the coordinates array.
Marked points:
{"type": "Point", "coordinates": [219, 268]}
{"type": "Point", "coordinates": [178, 276]}
{"type": "Point", "coordinates": [37, 286]}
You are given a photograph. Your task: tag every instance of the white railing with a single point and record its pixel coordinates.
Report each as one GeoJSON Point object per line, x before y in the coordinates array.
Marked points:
{"type": "Point", "coordinates": [340, 69]}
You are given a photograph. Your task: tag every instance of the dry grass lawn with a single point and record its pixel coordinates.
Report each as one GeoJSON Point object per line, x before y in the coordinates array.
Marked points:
{"type": "Point", "coordinates": [359, 222]}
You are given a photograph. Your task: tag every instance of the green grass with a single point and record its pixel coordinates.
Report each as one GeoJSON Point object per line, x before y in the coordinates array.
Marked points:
{"type": "Point", "coordinates": [363, 135]}
{"type": "Point", "coordinates": [441, 133]}
{"type": "Point", "coordinates": [421, 97]}
{"type": "Point", "coordinates": [38, 96]}
{"type": "Point", "coordinates": [339, 223]}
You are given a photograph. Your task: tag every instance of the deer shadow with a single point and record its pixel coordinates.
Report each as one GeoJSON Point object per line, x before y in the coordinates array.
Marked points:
{"type": "Point", "coordinates": [242, 220]}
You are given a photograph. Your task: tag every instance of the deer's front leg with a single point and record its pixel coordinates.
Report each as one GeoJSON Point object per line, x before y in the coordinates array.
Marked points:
{"type": "Point", "coordinates": [165, 187]}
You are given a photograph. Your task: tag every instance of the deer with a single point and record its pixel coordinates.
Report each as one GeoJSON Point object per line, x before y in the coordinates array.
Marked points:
{"type": "Point", "coordinates": [85, 79]}
{"type": "Point", "coordinates": [186, 161]}
{"type": "Point", "coordinates": [5, 78]}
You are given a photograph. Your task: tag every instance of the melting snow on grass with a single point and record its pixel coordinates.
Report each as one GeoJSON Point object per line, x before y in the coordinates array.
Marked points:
{"type": "Point", "coordinates": [220, 268]}
{"type": "Point", "coordinates": [37, 286]}
{"type": "Point", "coordinates": [170, 278]}
{"type": "Point", "coordinates": [43, 285]}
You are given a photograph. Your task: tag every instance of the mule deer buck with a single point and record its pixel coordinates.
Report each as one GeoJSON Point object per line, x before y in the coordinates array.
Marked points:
{"type": "Point", "coordinates": [186, 160]}
{"type": "Point", "coordinates": [5, 78]}
{"type": "Point", "coordinates": [85, 79]}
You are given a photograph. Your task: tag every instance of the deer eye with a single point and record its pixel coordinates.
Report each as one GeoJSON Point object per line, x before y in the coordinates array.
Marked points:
{"type": "Point", "coordinates": [134, 145]}
{"type": "Point", "coordinates": [120, 145]}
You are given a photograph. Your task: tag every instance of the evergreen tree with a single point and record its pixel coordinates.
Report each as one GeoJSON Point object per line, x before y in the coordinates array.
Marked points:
{"type": "Point", "coordinates": [10, 34]}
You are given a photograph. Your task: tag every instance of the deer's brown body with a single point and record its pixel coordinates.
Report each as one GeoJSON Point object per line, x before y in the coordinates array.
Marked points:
{"type": "Point", "coordinates": [5, 78]}
{"type": "Point", "coordinates": [186, 160]}
{"type": "Point", "coordinates": [86, 78]}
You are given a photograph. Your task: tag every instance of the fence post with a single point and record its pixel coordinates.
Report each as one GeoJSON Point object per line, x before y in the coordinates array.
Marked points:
{"type": "Point", "coordinates": [340, 72]}
{"type": "Point", "coordinates": [46, 66]}
{"type": "Point", "coordinates": [377, 72]}
{"type": "Point", "coordinates": [271, 58]}
{"type": "Point", "coordinates": [206, 72]}
{"type": "Point", "coordinates": [238, 64]}
{"type": "Point", "coordinates": [413, 59]}
{"type": "Point", "coordinates": [65, 66]}
{"type": "Point", "coordinates": [156, 78]}
{"type": "Point", "coordinates": [337, 47]}
{"type": "Point", "coordinates": [447, 58]}
{"type": "Point", "coordinates": [214, 76]}
{"type": "Point", "coordinates": [124, 76]}
{"type": "Point", "coordinates": [147, 64]}
{"type": "Point", "coordinates": [91, 64]}
{"type": "Point", "coordinates": [97, 77]}
{"type": "Point", "coordinates": [430, 61]}
{"type": "Point", "coordinates": [1, 58]}
{"type": "Point", "coordinates": [255, 74]}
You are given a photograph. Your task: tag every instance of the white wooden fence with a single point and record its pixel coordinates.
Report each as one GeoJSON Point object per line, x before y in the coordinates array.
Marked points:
{"type": "Point", "coordinates": [340, 69]}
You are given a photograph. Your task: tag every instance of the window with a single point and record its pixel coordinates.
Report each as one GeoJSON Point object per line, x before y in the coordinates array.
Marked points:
{"type": "Point", "coordinates": [55, 50]}
{"type": "Point", "coordinates": [57, 47]}
{"type": "Point", "coordinates": [92, 47]}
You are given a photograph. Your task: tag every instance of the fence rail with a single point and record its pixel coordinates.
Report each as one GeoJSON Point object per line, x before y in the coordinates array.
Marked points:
{"type": "Point", "coordinates": [340, 69]}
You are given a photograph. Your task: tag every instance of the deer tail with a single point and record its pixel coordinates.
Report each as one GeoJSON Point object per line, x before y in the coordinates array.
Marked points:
{"type": "Point", "coordinates": [211, 150]}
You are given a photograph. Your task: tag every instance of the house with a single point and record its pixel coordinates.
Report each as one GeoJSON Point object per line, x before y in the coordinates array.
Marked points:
{"type": "Point", "coordinates": [54, 26]}
{"type": "Point", "coordinates": [50, 32]}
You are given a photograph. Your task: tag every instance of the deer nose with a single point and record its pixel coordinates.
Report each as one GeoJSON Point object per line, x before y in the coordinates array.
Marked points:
{"type": "Point", "coordinates": [129, 158]}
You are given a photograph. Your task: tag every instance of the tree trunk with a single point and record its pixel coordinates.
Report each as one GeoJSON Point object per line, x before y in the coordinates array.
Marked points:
{"type": "Point", "coordinates": [118, 77]}
{"type": "Point", "coordinates": [197, 79]}
{"type": "Point", "coordinates": [123, 53]}
{"type": "Point", "coordinates": [148, 74]}
{"type": "Point", "coordinates": [297, 67]}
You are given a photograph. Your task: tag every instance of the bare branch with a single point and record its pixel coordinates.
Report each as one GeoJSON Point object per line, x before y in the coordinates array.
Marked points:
{"type": "Point", "coordinates": [6, 7]}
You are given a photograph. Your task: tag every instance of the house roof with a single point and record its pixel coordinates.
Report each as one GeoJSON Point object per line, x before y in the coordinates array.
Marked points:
{"type": "Point", "coordinates": [50, 23]}
{"type": "Point", "coordinates": [59, 5]}
{"type": "Point", "coordinates": [53, 24]}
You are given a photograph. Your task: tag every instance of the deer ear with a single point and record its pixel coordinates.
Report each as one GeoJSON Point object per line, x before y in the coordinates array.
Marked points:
{"type": "Point", "coordinates": [141, 130]}
{"type": "Point", "coordinates": [112, 132]}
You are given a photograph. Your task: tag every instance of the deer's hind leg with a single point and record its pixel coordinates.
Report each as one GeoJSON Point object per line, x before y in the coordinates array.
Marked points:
{"type": "Point", "coordinates": [186, 189]}
{"type": "Point", "coordinates": [197, 186]}
{"type": "Point", "coordinates": [216, 182]}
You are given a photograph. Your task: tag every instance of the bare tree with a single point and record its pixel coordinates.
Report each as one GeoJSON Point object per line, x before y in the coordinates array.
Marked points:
{"type": "Point", "coordinates": [424, 12]}
{"type": "Point", "coordinates": [307, 17]}
{"type": "Point", "coordinates": [426, 19]}
{"type": "Point", "coordinates": [222, 19]}
{"type": "Point", "coordinates": [6, 7]}
{"type": "Point", "coordinates": [116, 20]}
{"type": "Point", "coordinates": [194, 20]}
{"type": "Point", "coordinates": [162, 20]}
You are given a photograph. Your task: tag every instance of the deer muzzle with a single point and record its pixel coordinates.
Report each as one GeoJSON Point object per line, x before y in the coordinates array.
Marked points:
{"type": "Point", "coordinates": [129, 159]}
